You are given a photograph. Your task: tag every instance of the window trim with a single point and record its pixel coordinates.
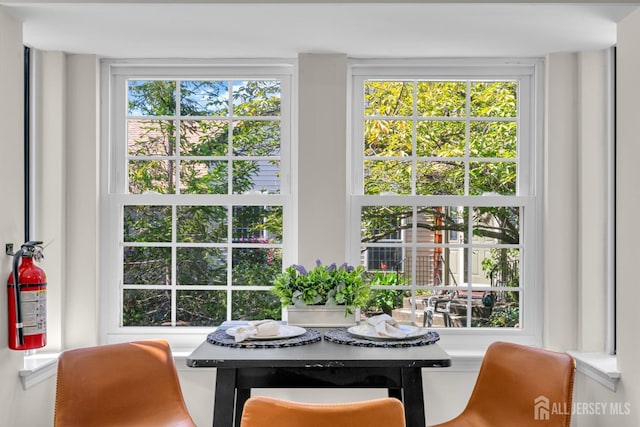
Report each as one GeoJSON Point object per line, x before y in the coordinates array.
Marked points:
{"type": "Point", "coordinates": [114, 74]}
{"type": "Point", "coordinates": [450, 69]}
{"type": "Point", "coordinates": [610, 267]}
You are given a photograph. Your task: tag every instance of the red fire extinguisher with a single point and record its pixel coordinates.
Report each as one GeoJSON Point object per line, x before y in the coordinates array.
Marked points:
{"type": "Point", "coordinates": [27, 301]}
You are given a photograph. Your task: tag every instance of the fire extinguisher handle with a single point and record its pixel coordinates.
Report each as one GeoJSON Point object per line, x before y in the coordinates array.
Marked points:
{"type": "Point", "coordinates": [33, 249]}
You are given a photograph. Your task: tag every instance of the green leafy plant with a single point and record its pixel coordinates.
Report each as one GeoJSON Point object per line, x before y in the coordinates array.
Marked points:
{"type": "Point", "coordinates": [329, 285]}
{"type": "Point", "coordinates": [504, 316]}
{"type": "Point", "coordinates": [386, 300]}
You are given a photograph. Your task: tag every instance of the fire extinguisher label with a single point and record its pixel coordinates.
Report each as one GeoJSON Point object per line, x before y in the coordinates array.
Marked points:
{"type": "Point", "coordinates": [34, 316]}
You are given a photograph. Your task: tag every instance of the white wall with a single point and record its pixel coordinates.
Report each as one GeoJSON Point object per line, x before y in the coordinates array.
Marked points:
{"type": "Point", "coordinates": [592, 199]}
{"type": "Point", "coordinates": [67, 173]}
{"type": "Point", "coordinates": [560, 232]}
{"type": "Point", "coordinates": [80, 318]}
{"type": "Point", "coordinates": [628, 234]}
{"type": "Point", "coordinates": [575, 218]}
{"type": "Point", "coordinates": [11, 220]}
{"type": "Point", "coordinates": [16, 405]}
{"type": "Point", "coordinates": [322, 148]}
{"type": "Point", "coordinates": [572, 170]}
{"type": "Point", "coordinates": [583, 323]}
{"type": "Point", "coordinates": [50, 130]}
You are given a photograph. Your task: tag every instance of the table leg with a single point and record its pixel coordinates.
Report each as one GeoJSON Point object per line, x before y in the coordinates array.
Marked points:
{"type": "Point", "coordinates": [225, 397]}
{"type": "Point", "coordinates": [395, 392]}
{"type": "Point", "coordinates": [413, 397]}
{"type": "Point", "coordinates": [242, 395]}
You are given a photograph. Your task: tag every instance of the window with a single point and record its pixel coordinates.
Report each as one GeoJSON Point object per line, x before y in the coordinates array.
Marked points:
{"type": "Point", "coordinates": [385, 257]}
{"type": "Point", "coordinates": [198, 194]}
{"type": "Point", "coordinates": [445, 177]}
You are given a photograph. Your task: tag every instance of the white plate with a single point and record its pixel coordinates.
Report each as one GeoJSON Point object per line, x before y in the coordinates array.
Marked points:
{"type": "Point", "coordinates": [286, 331]}
{"type": "Point", "coordinates": [369, 332]}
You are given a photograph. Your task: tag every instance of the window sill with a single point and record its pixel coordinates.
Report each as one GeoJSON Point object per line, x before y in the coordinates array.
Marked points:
{"type": "Point", "coordinates": [601, 367]}
{"type": "Point", "coordinates": [37, 368]}
{"type": "Point", "coordinates": [462, 361]}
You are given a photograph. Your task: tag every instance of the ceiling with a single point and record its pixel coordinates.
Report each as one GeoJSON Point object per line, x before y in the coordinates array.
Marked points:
{"type": "Point", "coordinates": [283, 30]}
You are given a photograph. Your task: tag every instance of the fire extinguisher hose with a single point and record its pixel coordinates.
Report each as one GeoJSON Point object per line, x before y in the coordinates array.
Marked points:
{"type": "Point", "coordinates": [16, 296]}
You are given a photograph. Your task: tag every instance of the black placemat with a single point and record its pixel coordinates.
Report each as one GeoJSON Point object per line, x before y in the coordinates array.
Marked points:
{"type": "Point", "coordinates": [341, 336]}
{"type": "Point", "coordinates": [220, 337]}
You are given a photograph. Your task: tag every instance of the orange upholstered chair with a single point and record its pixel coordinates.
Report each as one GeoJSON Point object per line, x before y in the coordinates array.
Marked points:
{"type": "Point", "coordinates": [269, 412]}
{"type": "Point", "coordinates": [520, 386]}
{"type": "Point", "coordinates": [129, 384]}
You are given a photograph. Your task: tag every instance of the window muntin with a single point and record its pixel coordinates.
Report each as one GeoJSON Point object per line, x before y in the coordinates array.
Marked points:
{"type": "Point", "coordinates": [197, 199]}
{"type": "Point", "coordinates": [452, 156]}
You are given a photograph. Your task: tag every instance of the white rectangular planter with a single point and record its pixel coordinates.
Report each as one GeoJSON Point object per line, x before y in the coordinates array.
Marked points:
{"type": "Point", "coordinates": [320, 316]}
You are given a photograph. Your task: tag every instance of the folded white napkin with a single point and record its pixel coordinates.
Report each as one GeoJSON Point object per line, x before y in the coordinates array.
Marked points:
{"type": "Point", "coordinates": [258, 328]}
{"type": "Point", "coordinates": [386, 326]}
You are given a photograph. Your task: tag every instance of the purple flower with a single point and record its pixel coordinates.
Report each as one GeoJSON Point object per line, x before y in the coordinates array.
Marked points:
{"type": "Point", "coordinates": [332, 267]}
{"type": "Point", "coordinates": [300, 269]}
{"type": "Point", "coordinates": [318, 263]}
{"type": "Point", "coordinates": [343, 266]}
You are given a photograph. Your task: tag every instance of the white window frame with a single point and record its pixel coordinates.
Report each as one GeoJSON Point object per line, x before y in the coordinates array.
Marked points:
{"type": "Point", "coordinates": [113, 194]}
{"type": "Point", "coordinates": [529, 73]}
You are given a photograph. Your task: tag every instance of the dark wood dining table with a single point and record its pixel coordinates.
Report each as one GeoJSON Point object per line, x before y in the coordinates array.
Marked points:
{"type": "Point", "coordinates": [321, 364]}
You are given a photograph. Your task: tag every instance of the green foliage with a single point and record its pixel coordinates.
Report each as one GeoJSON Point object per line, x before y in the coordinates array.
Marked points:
{"type": "Point", "coordinates": [255, 305]}
{"type": "Point", "coordinates": [442, 138]}
{"type": "Point", "coordinates": [382, 299]}
{"type": "Point", "coordinates": [152, 98]}
{"type": "Point", "coordinates": [503, 266]}
{"type": "Point", "coordinates": [150, 135]}
{"type": "Point", "coordinates": [201, 308]}
{"type": "Point", "coordinates": [380, 222]}
{"type": "Point", "coordinates": [440, 144]}
{"type": "Point", "coordinates": [146, 307]}
{"type": "Point", "coordinates": [503, 316]}
{"type": "Point", "coordinates": [256, 266]}
{"type": "Point", "coordinates": [324, 284]}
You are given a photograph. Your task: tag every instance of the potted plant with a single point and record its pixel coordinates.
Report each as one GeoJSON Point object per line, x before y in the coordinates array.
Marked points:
{"type": "Point", "coordinates": [326, 295]}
